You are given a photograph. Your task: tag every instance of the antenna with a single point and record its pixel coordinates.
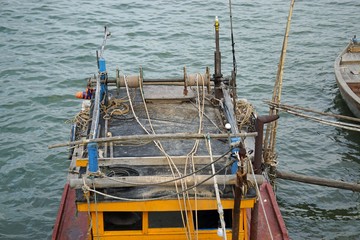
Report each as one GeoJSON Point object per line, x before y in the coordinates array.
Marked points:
{"type": "Point", "coordinates": [234, 71]}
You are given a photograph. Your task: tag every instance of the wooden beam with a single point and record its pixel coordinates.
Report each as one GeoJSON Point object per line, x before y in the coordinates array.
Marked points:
{"type": "Point", "coordinates": [151, 161]}
{"type": "Point", "coordinates": [154, 137]}
{"type": "Point", "coordinates": [131, 181]}
{"type": "Point", "coordinates": [318, 181]}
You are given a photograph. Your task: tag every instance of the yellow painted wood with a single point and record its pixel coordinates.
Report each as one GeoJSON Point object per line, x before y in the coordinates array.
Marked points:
{"type": "Point", "coordinates": [81, 162]}
{"type": "Point", "coordinates": [164, 237]}
{"type": "Point", "coordinates": [243, 230]}
{"type": "Point", "coordinates": [191, 222]}
{"type": "Point", "coordinates": [97, 223]}
{"type": "Point", "coordinates": [163, 233]}
{"type": "Point", "coordinates": [161, 205]}
{"type": "Point", "coordinates": [167, 230]}
{"type": "Point", "coordinates": [145, 223]}
{"type": "Point", "coordinates": [130, 235]}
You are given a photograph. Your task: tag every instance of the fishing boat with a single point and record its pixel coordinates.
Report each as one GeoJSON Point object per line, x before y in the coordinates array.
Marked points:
{"type": "Point", "coordinates": [347, 72]}
{"type": "Point", "coordinates": [167, 159]}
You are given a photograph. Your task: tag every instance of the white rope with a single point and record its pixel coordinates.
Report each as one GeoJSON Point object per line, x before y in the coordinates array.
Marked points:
{"type": "Point", "coordinates": [218, 200]}
{"type": "Point", "coordinates": [210, 120]}
{"type": "Point", "coordinates": [85, 190]}
{"type": "Point", "coordinates": [261, 202]}
{"type": "Point", "coordinates": [200, 107]}
{"type": "Point", "coordinates": [343, 125]}
{"type": "Point", "coordinates": [96, 215]}
{"type": "Point", "coordinates": [160, 147]}
{"type": "Point", "coordinates": [171, 162]}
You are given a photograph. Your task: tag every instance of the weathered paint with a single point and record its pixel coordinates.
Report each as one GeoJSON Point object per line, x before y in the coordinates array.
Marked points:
{"type": "Point", "coordinates": [70, 224]}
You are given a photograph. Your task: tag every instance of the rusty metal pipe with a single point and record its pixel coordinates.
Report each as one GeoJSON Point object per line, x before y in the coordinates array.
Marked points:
{"type": "Point", "coordinates": [259, 127]}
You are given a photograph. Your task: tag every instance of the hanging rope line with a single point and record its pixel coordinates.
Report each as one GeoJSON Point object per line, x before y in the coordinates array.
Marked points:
{"type": "Point", "coordinates": [160, 147]}
{"type": "Point", "coordinates": [87, 196]}
{"type": "Point", "coordinates": [285, 106]}
{"type": "Point", "coordinates": [200, 103]}
{"type": "Point", "coordinates": [96, 214]}
{"type": "Point", "coordinates": [261, 201]}
{"type": "Point", "coordinates": [347, 126]}
{"type": "Point", "coordinates": [299, 111]}
{"type": "Point", "coordinates": [217, 194]}
{"type": "Point", "coordinates": [190, 156]}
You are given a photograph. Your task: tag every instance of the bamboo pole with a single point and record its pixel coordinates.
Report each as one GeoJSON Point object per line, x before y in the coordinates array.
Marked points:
{"type": "Point", "coordinates": [318, 181]}
{"type": "Point", "coordinates": [346, 126]}
{"type": "Point", "coordinates": [285, 106]}
{"type": "Point", "coordinates": [153, 137]}
{"type": "Point", "coordinates": [270, 135]}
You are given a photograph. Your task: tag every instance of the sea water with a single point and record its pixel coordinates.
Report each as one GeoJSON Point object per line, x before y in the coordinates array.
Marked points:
{"type": "Point", "coordinates": [47, 52]}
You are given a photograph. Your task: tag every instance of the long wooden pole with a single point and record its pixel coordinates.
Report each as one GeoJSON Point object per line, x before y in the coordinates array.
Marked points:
{"type": "Point", "coordinates": [270, 136]}
{"type": "Point", "coordinates": [318, 181]}
{"type": "Point", "coordinates": [295, 111]}
{"type": "Point", "coordinates": [131, 181]}
{"type": "Point", "coordinates": [284, 106]}
{"type": "Point", "coordinates": [348, 126]}
{"type": "Point", "coordinates": [153, 137]}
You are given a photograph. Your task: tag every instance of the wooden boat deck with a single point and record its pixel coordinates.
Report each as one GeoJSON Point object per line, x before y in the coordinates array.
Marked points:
{"type": "Point", "coordinates": [350, 68]}
{"type": "Point", "coordinates": [163, 110]}
{"type": "Point", "coordinates": [170, 112]}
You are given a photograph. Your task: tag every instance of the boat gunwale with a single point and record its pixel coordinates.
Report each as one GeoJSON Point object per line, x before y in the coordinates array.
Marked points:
{"type": "Point", "coordinates": [344, 87]}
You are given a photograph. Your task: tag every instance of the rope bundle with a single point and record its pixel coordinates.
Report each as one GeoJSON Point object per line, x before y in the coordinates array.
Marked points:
{"type": "Point", "coordinates": [115, 107]}
{"type": "Point", "coordinates": [243, 113]}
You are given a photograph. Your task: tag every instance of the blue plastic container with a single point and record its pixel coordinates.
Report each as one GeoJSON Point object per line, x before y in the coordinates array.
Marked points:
{"type": "Point", "coordinates": [102, 65]}
{"type": "Point", "coordinates": [234, 166]}
{"type": "Point", "coordinates": [93, 157]}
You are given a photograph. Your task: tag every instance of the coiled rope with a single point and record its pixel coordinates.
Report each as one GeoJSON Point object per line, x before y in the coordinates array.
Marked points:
{"type": "Point", "coordinates": [243, 112]}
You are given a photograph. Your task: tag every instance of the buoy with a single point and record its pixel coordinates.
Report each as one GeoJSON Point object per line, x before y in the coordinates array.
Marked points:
{"type": "Point", "coordinates": [86, 94]}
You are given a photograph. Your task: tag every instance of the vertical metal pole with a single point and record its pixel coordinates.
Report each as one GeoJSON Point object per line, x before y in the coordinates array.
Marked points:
{"type": "Point", "coordinates": [217, 58]}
